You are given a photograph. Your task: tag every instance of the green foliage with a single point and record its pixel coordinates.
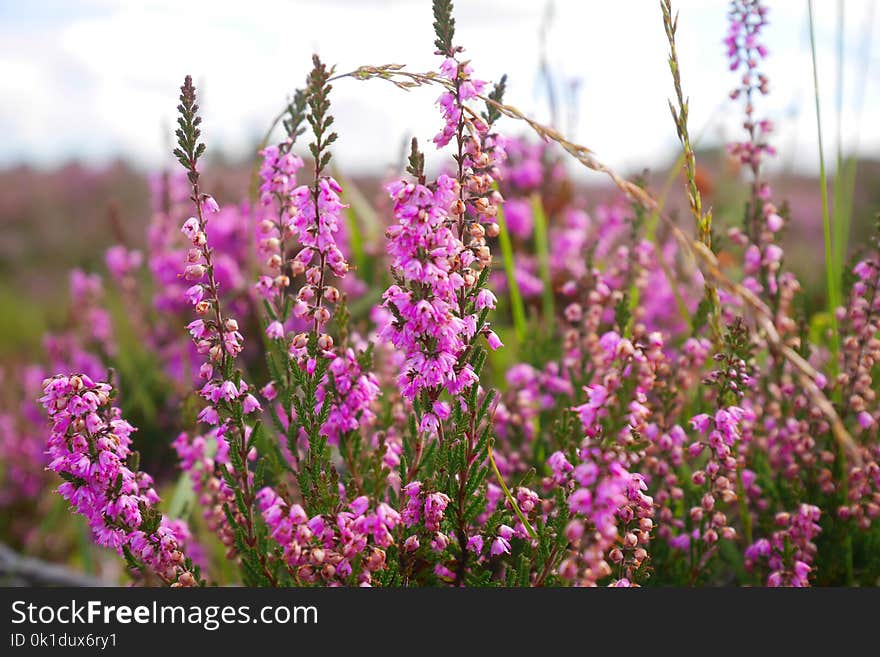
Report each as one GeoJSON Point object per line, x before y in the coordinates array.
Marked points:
{"type": "Point", "coordinates": [189, 149]}
{"type": "Point", "coordinates": [492, 113]}
{"type": "Point", "coordinates": [444, 27]}
{"type": "Point", "coordinates": [319, 118]}
{"type": "Point", "coordinates": [296, 114]}
{"type": "Point", "coordinates": [416, 166]}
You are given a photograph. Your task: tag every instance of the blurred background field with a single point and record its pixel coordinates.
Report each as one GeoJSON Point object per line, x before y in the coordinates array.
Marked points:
{"type": "Point", "coordinates": [56, 219]}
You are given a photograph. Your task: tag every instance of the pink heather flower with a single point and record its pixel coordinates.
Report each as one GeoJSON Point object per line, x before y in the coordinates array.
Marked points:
{"type": "Point", "coordinates": [485, 299]}
{"type": "Point", "coordinates": [499, 546]}
{"type": "Point", "coordinates": [701, 422]}
{"type": "Point", "coordinates": [581, 501]}
{"type": "Point", "coordinates": [191, 228]}
{"type": "Point", "coordinates": [278, 174]}
{"type": "Point", "coordinates": [772, 254]}
{"type": "Point", "coordinates": [194, 272]}
{"type": "Point", "coordinates": [228, 391]}
{"type": "Point", "coordinates": [356, 393]}
{"type": "Point", "coordinates": [268, 391]}
{"type": "Point", "coordinates": [275, 330]}
{"type": "Point", "coordinates": [586, 473]}
{"type": "Point", "coordinates": [752, 259]}
{"type": "Point", "coordinates": [210, 205]}
{"type": "Point", "coordinates": [121, 262]}
{"type": "Point", "coordinates": [493, 340]}
{"type": "Point", "coordinates": [864, 269]}
{"type": "Point", "coordinates": [250, 404]}
{"type": "Point", "coordinates": [441, 410]}
{"type": "Point", "coordinates": [359, 505]}
{"type": "Point", "coordinates": [317, 233]}
{"type": "Point", "coordinates": [197, 329]}
{"type": "Point", "coordinates": [475, 544]}
{"type": "Point", "coordinates": [560, 467]}
{"type": "Point", "coordinates": [195, 294]}
{"type": "Point", "coordinates": [435, 505]}
{"type": "Point", "coordinates": [209, 415]}
{"type": "Point", "coordinates": [430, 424]}
{"type": "Point", "coordinates": [866, 420]}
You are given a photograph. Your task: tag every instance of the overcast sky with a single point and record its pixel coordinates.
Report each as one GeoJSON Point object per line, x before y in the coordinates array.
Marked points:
{"type": "Point", "coordinates": [98, 79]}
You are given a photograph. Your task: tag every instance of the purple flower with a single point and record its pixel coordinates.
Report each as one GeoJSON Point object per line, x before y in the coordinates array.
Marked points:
{"type": "Point", "coordinates": [275, 331]}
{"type": "Point", "coordinates": [250, 404]}
{"type": "Point", "coordinates": [475, 544]}
{"type": "Point", "coordinates": [102, 488]}
{"type": "Point", "coordinates": [500, 546]}
{"type": "Point", "coordinates": [493, 340]}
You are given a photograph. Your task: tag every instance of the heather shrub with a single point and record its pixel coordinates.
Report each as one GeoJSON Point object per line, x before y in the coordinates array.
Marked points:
{"type": "Point", "coordinates": [511, 385]}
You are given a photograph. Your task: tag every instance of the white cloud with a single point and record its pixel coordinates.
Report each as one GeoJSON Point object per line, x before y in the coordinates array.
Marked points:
{"type": "Point", "coordinates": [101, 80]}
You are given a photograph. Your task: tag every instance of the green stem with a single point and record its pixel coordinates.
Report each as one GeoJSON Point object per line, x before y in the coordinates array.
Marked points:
{"type": "Point", "coordinates": [831, 284]}
{"type": "Point", "coordinates": [840, 220]}
{"type": "Point", "coordinates": [510, 498]}
{"type": "Point", "coordinates": [517, 308]}
{"type": "Point", "coordinates": [542, 249]}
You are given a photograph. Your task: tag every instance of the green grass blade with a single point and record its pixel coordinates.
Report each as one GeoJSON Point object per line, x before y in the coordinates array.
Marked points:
{"type": "Point", "coordinates": [832, 284]}
{"type": "Point", "coordinates": [517, 308]}
{"type": "Point", "coordinates": [840, 218]}
{"type": "Point", "coordinates": [542, 248]}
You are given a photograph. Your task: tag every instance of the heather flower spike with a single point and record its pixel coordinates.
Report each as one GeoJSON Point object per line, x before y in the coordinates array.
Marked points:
{"type": "Point", "coordinates": [90, 448]}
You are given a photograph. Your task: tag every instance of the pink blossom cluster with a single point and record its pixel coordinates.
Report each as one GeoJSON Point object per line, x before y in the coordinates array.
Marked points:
{"type": "Point", "coordinates": [346, 547]}
{"type": "Point", "coordinates": [203, 458]}
{"type": "Point", "coordinates": [465, 88]}
{"type": "Point", "coordinates": [603, 499]}
{"type": "Point", "coordinates": [278, 171]}
{"type": "Point", "coordinates": [89, 446]}
{"type": "Point", "coordinates": [426, 324]}
{"type": "Point", "coordinates": [213, 336]}
{"type": "Point", "coordinates": [745, 50]}
{"type": "Point", "coordinates": [435, 301]}
{"type": "Point", "coordinates": [354, 392]}
{"type": "Point", "coordinates": [789, 552]}
{"type": "Point", "coordinates": [719, 435]}
{"type": "Point", "coordinates": [317, 219]}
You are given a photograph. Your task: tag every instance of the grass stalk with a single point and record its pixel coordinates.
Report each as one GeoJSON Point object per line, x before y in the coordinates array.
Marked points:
{"type": "Point", "coordinates": [517, 309]}
{"type": "Point", "coordinates": [832, 283]}
{"type": "Point", "coordinates": [680, 117]}
{"type": "Point", "coordinates": [542, 249]}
